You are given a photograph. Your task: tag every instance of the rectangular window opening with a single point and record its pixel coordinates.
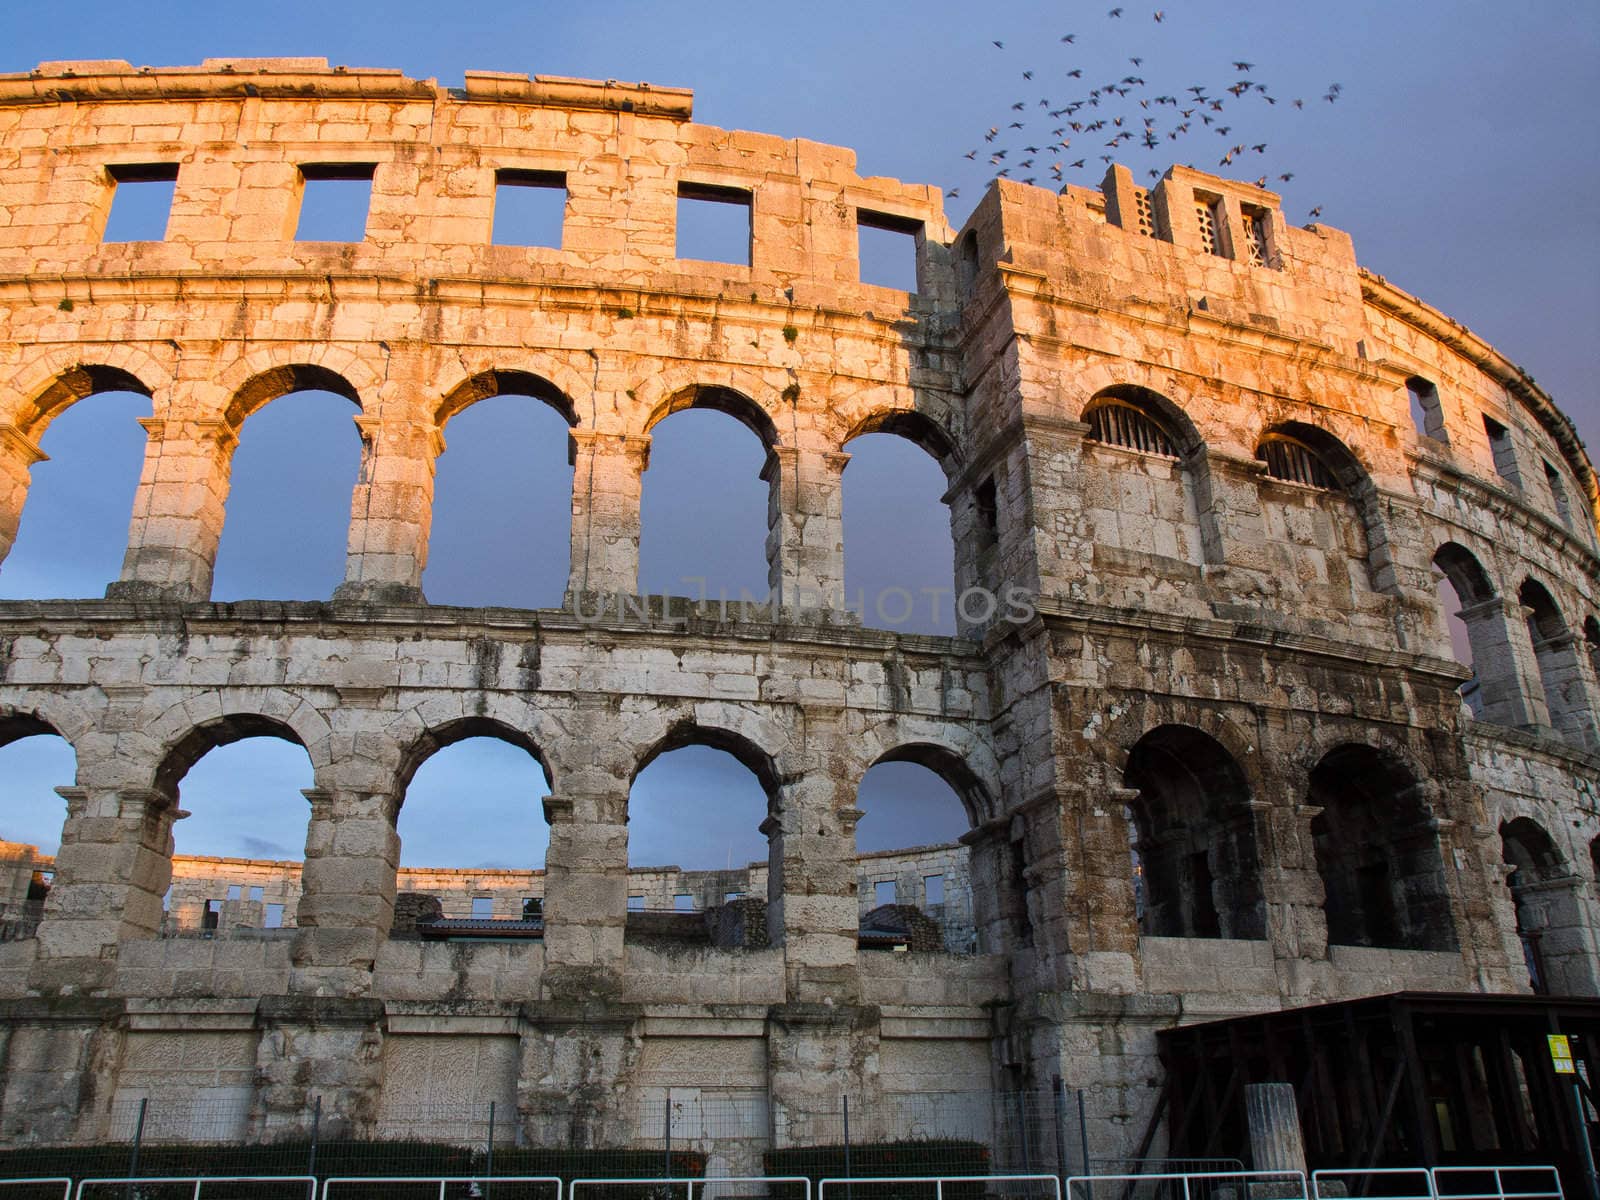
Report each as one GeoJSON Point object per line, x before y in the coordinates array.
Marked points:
{"type": "Point", "coordinates": [530, 208]}
{"type": "Point", "coordinates": [1208, 215]}
{"type": "Point", "coordinates": [713, 224]}
{"type": "Point", "coordinates": [883, 893]}
{"type": "Point", "coordinates": [730, 896]}
{"type": "Point", "coordinates": [1505, 456]}
{"type": "Point", "coordinates": [888, 247]}
{"type": "Point", "coordinates": [257, 894]}
{"type": "Point", "coordinates": [635, 903]}
{"type": "Point", "coordinates": [683, 902]}
{"type": "Point", "coordinates": [532, 908]}
{"type": "Point", "coordinates": [235, 891]}
{"type": "Point", "coordinates": [212, 917]}
{"type": "Point", "coordinates": [141, 201]}
{"type": "Point", "coordinates": [1426, 414]}
{"type": "Point", "coordinates": [1558, 494]}
{"type": "Point", "coordinates": [933, 889]}
{"type": "Point", "coordinates": [273, 917]}
{"type": "Point", "coordinates": [334, 201]}
{"type": "Point", "coordinates": [986, 501]}
{"type": "Point", "coordinates": [1257, 236]}
{"type": "Point", "coordinates": [482, 908]}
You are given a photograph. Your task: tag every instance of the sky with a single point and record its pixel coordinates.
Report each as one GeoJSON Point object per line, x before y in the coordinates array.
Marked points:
{"type": "Point", "coordinates": [1460, 152]}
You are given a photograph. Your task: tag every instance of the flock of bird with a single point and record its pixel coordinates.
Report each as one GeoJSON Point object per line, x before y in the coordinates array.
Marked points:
{"type": "Point", "coordinates": [1045, 137]}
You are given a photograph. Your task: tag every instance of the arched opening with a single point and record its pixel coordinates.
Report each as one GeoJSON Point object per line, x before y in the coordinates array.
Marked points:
{"type": "Point", "coordinates": [473, 827]}
{"type": "Point", "coordinates": [1591, 645]}
{"type": "Point", "coordinates": [1144, 445]}
{"type": "Point", "coordinates": [1427, 414]}
{"type": "Point", "coordinates": [1556, 655]}
{"type": "Point", "coordinates": [238, 816]}
{"type": "Point", "coordinates": [287, 517]}
{"type": "Point", "coordinates": [501, 527]}
{"type": "Point", "coordinates": [1377, 851]}
{"type": "Point", "coordinates": [1477, 633]}
{"type": "Point", "coordinates": [74, 527]}
{"type": "Point", "coordinates": [705, 511]}
{"type": "Point", "coordinates": [712, 872]}
{"type": "Point", "coordinates": [1535, 866]}
{"type": "Point", "coordinates": [899, 560]}
{"type": "Point", "coordinates": [34, 761]}
{"type": "Point", "coordinates": [1196, 868]}
{"type": "Point", "coordinates": [914, 874]}
{"type": "Point", "coordinates": [1323, 517]}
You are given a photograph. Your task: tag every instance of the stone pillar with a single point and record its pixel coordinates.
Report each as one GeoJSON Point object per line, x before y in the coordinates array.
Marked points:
{"type": "Point", "coordinates": [177, 510]}
{"type": "Point", "coordinates": [18, 453]}
{"type": "Point", "coordinates": [1076, 898]}
{"type": "Point", "coordinates": [1122, 198]}
{"type": "Point", "coordinates": [586, 887]}
{"type": "Point", "coordinates": [1273, 1118]}
{"type": "Point", "coordinates": [311, 1046]}
{"type": "Point", "coordinates": [1291, 888]}
{"type": "Point", "coordinates": [347, 891]}
{"type": "Point", "coordinates": [607, 480]}
{"type": "Point", "coordinates": [805, 527]}
{"type": "Point", "coordinates": [113, 867]}
{"type": "Point", "coordinates": [575, 1075]}
{"type": "Point", "coordinates": [56, 1055]}
{"type": "Point", "coordinates": [816, 1054]}
{"type": "Point", "coordinates": [1228, 498]}
{"type": "Point", "coordinates": [1503, 688]}
{"type": "Point", "coordinates": [813, 908]}
{"type": "Point", "coordinates": [391, 511]}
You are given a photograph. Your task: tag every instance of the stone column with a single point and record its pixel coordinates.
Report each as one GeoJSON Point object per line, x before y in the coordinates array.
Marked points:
{"type": "Point", "coordinates": [347, 891]}
{"type": "Point", "coordinates": [177, 510]}
{"type": "Point", "coordinates": [391, 511]}
{"type": "Point", "coordinates": [576, 1067]}
{"type": "Point", "coordinates": [112, 870]}
{"type": "Point", "coordinates": [607, 480]}
{"type": "Point", "coordinates": [813, 908]}
{"type": "Point", "coordinates": [18, 453]}
{"type": "Point", "coordinates": [1502, 696]}
{"type": "Point", "coordinates": [805, 527]}
{"type": "Point", "coordinates": [1228, 497]}
{"type": "Point", "coordinates": [1273, 1118]}
{"type": "Point", "coordinates": [311, 1046]}
{"type": "Point", "coordinates": [817, 1053]}
{"type": "Point", "coordinates": [1291, 885]}
{"type": "Point", "coordinates": [586, 887]}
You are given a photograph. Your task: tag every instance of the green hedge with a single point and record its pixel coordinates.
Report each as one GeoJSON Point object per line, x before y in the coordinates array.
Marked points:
{"type": "Point", "coordinates": [887, 1160]}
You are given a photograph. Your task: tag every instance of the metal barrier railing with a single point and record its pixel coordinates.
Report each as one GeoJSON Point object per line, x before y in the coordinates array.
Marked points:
{"type": "Point", "coordinates": [1283, 1185]}
{"type": "Point", "coordinates": [1526, 1183]}
{"type": "Point", "coordinates": [1052, 1181]}
{"type": "Point", "coordinates": [1370, 1177]}
{"type": "Point", "coordinates": [689, 1184]}
{"type": "Point", "coordinates": [51, 1182]}
{"type": "Point", "coordinates": [478, 1185]}
{"type": "Point", "coordinates": [286, 1185]}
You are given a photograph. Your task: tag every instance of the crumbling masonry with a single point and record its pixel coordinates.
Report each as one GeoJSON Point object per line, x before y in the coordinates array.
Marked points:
{"type": "Point", "coordinates": [1179, 424]}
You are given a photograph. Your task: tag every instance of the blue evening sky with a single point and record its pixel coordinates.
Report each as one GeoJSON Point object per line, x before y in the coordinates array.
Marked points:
{"type": "Point", "coordinates": [1461, 154]}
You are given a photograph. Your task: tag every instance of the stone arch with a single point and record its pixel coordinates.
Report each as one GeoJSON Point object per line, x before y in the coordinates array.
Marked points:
{"type": "Point", "coordinates": [1377, 849]}
{"type": "Point", "coordinates": [951, 766]}
{"type": "Point", "coordinates": [1173, 421]}
{"type": "Point", "coordinates": [44, 713]}
{"type": "Point", "coordinates": [33, 410]}
{"type": "Point", "coordinates": [435, 738]}
{"type": "Point", "coordinates": [1556, 655]}
{"type": "Point", "coordinates": [1548, 912]}
{"type": "Point", "coordinates": [503, 381]}
{"type": "Point", "coordinates": [264, 374]}
{"type": "Point", "coordinates": [1140, 716]}
{"type": "Point", "coordinates": [200, 739]}
{"type": "Point", "coordinates": [736, 404]}
{"type": "Point", "coordinates": [1349, 474]}
{"type": "Point", "coordinates": [690, 731]}
{"type": "Point", "coordinates": [260, 390]}
{"type": "Point", "coordinates": [1493, 692]}
{"type": "Point", "coordinates": [915, 427]}
{"type": "Point", "coordinates": [236, 708]}
{"type": "Point", "coordinates": [1199, 870]}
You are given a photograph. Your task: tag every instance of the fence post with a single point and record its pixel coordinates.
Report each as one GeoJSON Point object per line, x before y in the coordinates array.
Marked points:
{"type": "Point", "coordinates": [488, 1165]}
{"type": "Point", "coordinates": [849, 1188]}
{"type": "Point", "coordinates": [1022, 1129]}
{"type": "Point", "coordinates": [133, 1157]}
{"type": "Point", "coordinates": [1058, 1107]}
{"type": "Point", "coordinates": [316, 1130]}
{"type": "Point", "coordinates": [1083, 1134]}
{"type": "Point", "coordinates": [668, 1173]}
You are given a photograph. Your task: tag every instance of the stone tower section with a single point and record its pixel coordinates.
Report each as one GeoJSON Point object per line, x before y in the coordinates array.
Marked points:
{"type": "Point", "coordinates": [1203, 710]}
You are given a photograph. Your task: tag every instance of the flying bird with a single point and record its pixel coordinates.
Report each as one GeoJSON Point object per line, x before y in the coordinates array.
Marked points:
{"type": "Point", "coordinates": [1027, 74]}
{"type": "Point", "coordinates": [1316, 212]}
{"type": "Point", "coordinates": [953, 193]}
{"type": "Point", "coordinates": [1243, 66]}
{"type": "Point", "coordinates": [1137, 61]}
{"type": "Point", "coordinates": [999, 45]}
{"type": "Point", "coordinates": [1160, 16]}
{"type": "Point", "coordinates": [1069, 38]}
{"type": "Point", "coordinates": [1115, 12]}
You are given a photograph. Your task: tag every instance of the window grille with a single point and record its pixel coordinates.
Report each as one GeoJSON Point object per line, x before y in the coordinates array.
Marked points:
{"type": "Point", "coordinates": [1255, 237]}
{"type": "Point", "coordinates": [1205, 212]}
{"type": "Point", "coordinates": [1117, 424]}
{"type": "Point", "coordinates": [1296, 463]}
{"type": "Point", "coordinates": [1144, 214]}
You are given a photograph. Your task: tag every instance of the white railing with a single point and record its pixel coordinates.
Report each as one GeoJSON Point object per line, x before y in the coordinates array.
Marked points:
{"type": "Point", "coordinates": [938, 1182]}
{"type": "Point", "coordinates": [1375, 1183]}
{"type": "Point", "coordinates": [1529, 1183]}
{"type": "Point", "coordinates": [577, 1186]}
{"type": "Point", "coordinates": [483, 1183]}
{"type": "Point", "coordinates": [287, 1185]}
{"type": "Point", "coordinates": [1186, 1185]}
{"type": "Point", "coordinates": [53, 1181]}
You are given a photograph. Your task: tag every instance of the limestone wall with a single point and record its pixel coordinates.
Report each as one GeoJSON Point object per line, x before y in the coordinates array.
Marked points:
{"type": "Point", "coordinates": [1180, 456]}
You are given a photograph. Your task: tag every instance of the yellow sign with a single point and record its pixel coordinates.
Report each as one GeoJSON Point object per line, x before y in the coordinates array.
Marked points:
{"type": "Point", "coordinates": [1561, 1054]}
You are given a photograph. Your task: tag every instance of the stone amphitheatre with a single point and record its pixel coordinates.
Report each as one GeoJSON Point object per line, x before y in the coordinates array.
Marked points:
{"type": "Point", "coordinates": [1179, 426]}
